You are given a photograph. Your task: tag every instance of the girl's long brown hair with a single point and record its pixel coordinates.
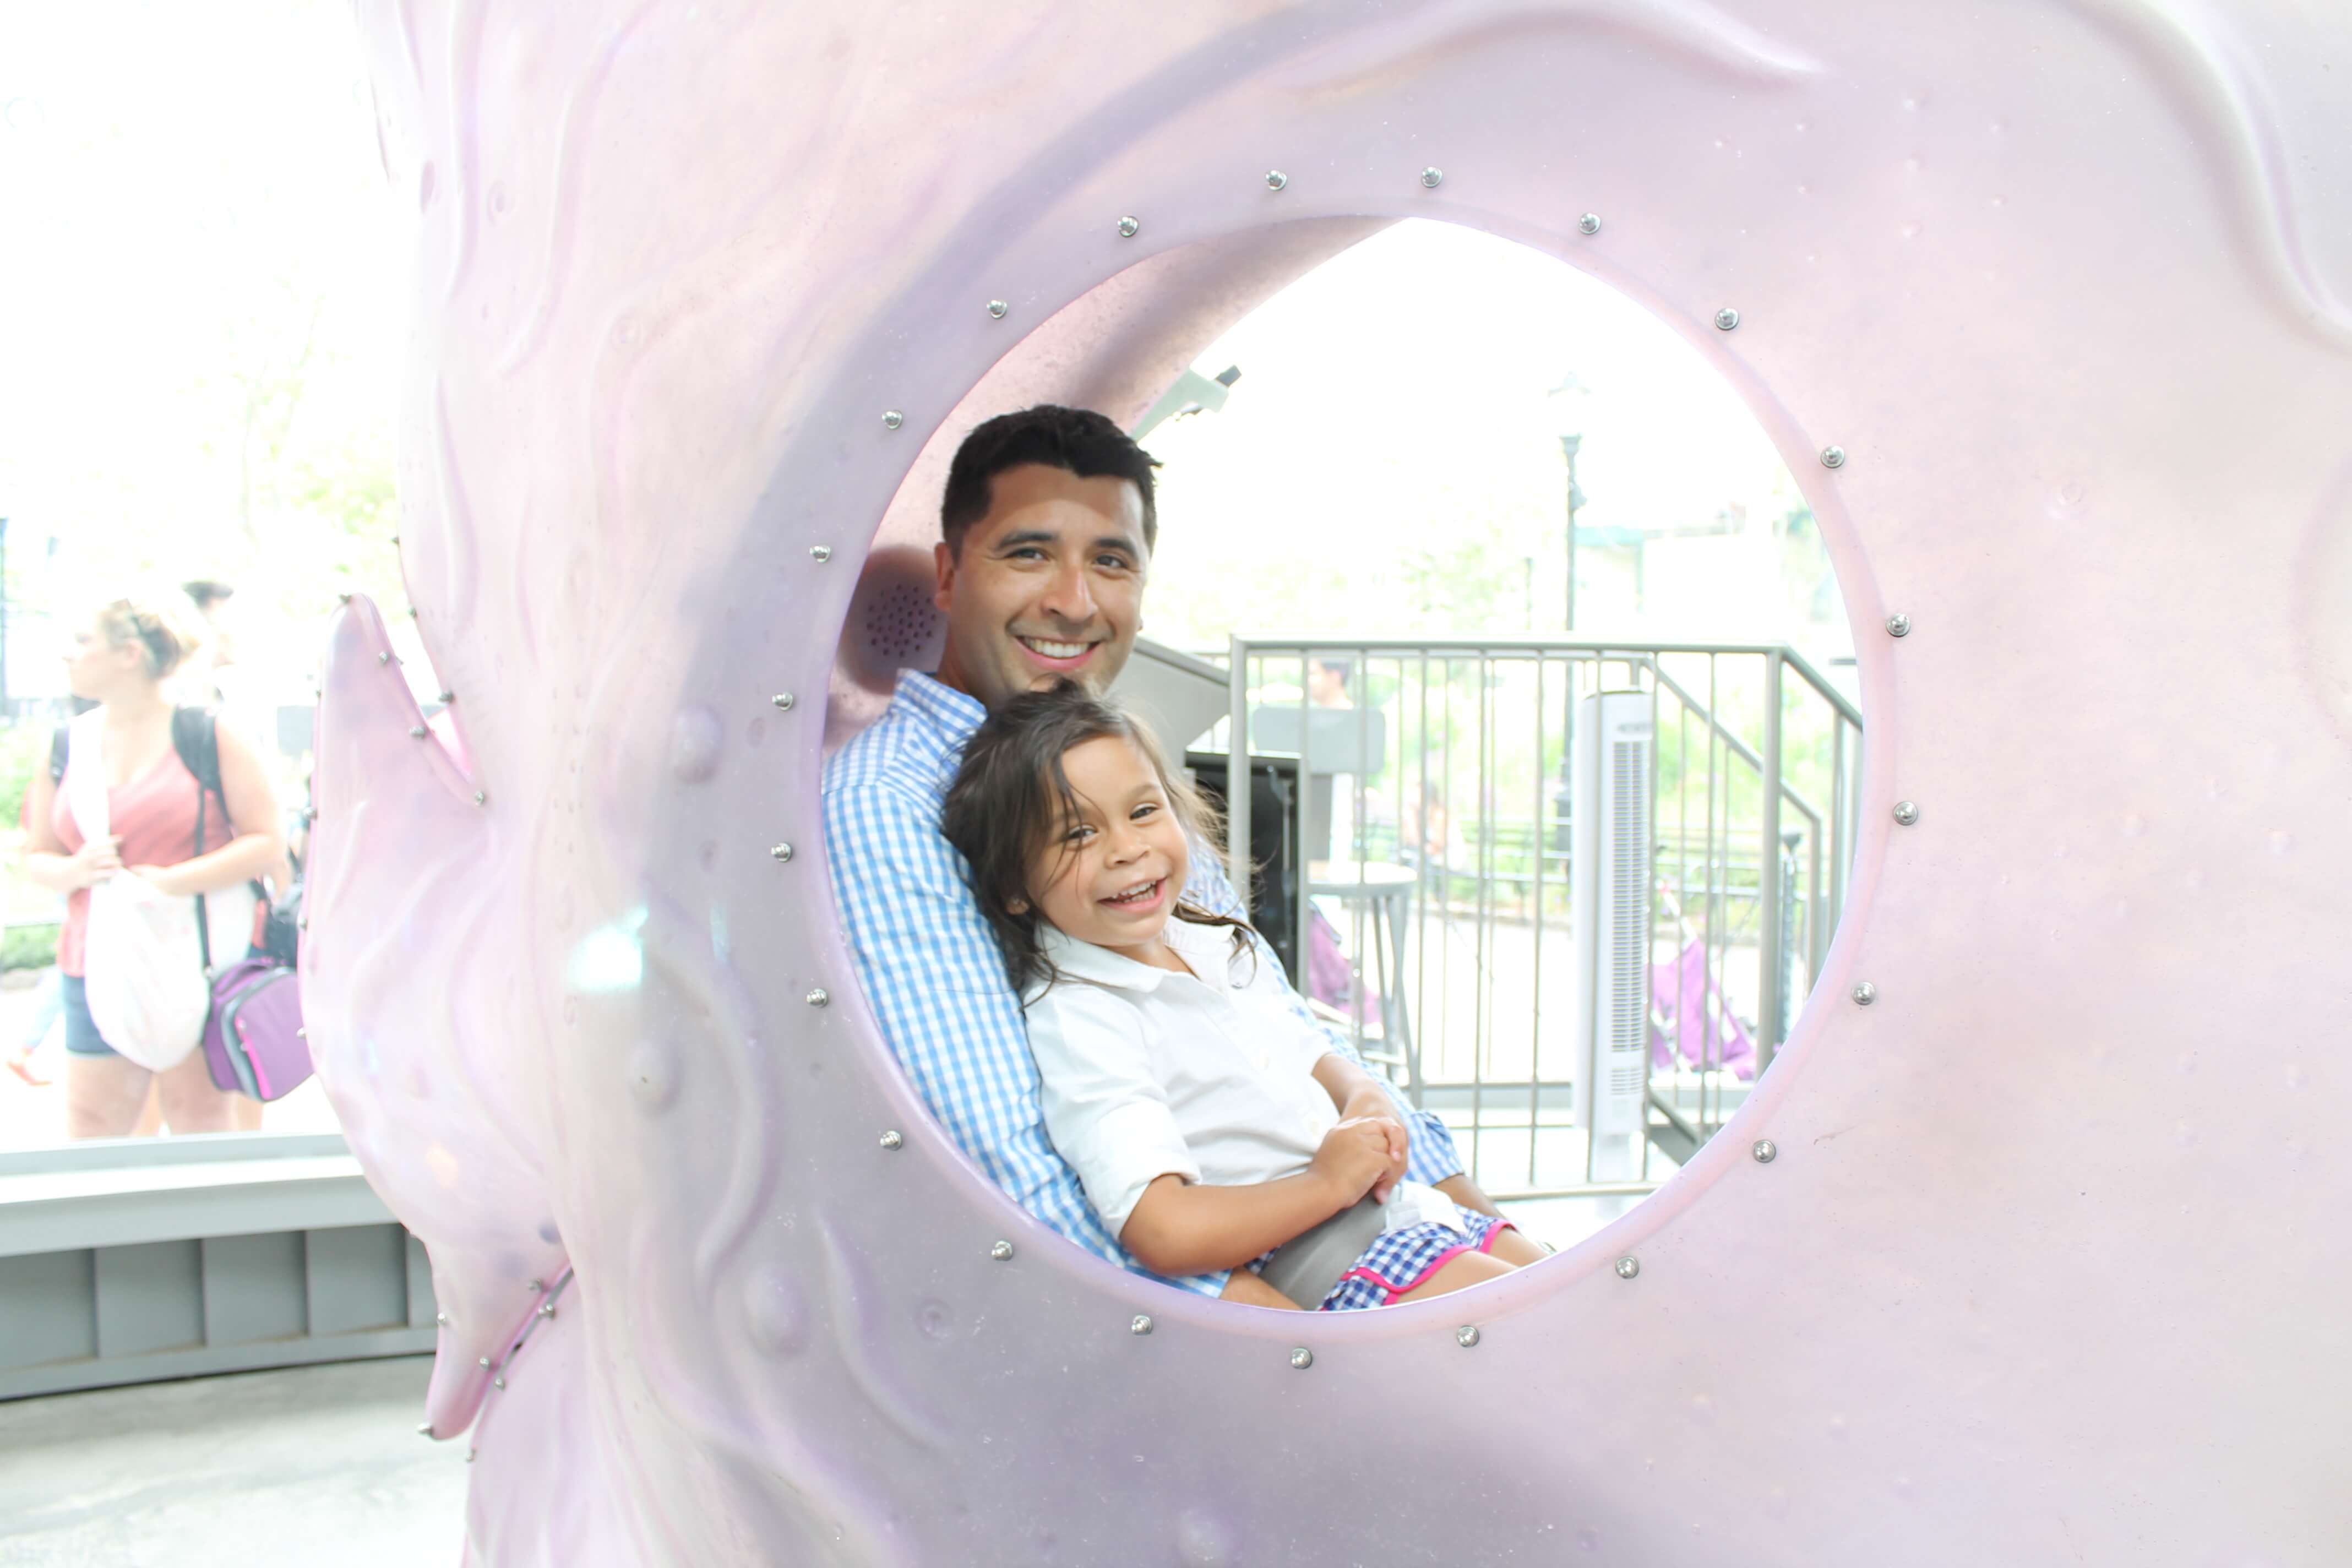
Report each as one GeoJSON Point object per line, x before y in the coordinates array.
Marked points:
{"type": "Point", "coordinates": [1011, 794]}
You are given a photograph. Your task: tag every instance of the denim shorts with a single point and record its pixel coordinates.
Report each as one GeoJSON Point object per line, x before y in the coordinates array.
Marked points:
{"type": "Point", "coordinates": [82, 1038]}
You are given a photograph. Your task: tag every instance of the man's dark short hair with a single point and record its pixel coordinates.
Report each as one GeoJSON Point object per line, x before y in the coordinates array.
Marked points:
{"type": "Point", "coordinates": [1076, 440]}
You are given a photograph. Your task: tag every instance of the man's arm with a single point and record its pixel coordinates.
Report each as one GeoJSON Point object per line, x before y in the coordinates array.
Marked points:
{"type": "Point", "coordinates": [931, 974]}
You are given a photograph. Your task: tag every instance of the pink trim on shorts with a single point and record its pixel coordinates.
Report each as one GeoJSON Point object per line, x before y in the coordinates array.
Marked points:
{"type": "Point", "coordinates": [1486, 1244]}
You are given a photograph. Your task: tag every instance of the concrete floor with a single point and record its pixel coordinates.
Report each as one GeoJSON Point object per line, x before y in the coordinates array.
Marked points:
{"type": "Point", "coordinates": [308, 1466]}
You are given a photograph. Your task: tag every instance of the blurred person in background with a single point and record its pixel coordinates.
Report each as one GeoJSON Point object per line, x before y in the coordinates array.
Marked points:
{"type": "Point", "coordinates": [121, 658]}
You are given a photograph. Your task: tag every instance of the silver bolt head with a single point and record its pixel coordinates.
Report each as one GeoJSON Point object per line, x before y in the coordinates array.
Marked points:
{"type": "Point", "coordinates": [782, 852]}
{"type": "Point", "coordinates": [1433, 177]}
{"type": "Point", "coordinates": [1834, 456]}
{"type": "Point", "coordinates": [891, 1140]}
{"type": "Point", "coordinates": [1276, 179]}
{"type": "Point", "coordinates": [416, 732]}
{"type": "Point", "coordinates": [442, 1319]}
{"type": "Point", "coordinates": [469, 1455]}
{"type": "Point", "coordinates": [547, 1308]}
{"type": "Point", "coordinates": [820, 552]}
{"type": "Point", "coordinates": [484, 1364]}
{"type": "Point", "coordinates": [1302, 1357]}
{"type": "Point", "coordinates": [447, 697]}
{"type": "Point", "coordinates": [1899, 625]}
{"type": "Point", "coordinates": [498, 1383]}
{"type": "Point", "coordinates": [424, 1428]}
{"type": "Point", "coordinates": [1765, 1151]}
{"type": "Point", "coordinates": [1467, 1336]}
{"type": "Point", "coordinates": [1907, 812]}
{"type": "Point", "coordinates": [1864, 992]}
{"type": "Point", "coordinates": [1726, 319]}
{"type": "Point", "coordinates": [783, 700]}
{"type": "Point", "coordinates": [892, 418]}
{"type": "Point", "coordinates": [1002, 1252]}
{"type": "Point", "coordinates": [482, 799]}
{"type": "Point", "coordinates": [996, 308]}
{"type": "Point", "coordinates": [1628, 1266]}
{"type": "Point", "coordinates": [817, 996]}
{"type": "Point", "coordinates": [1139, 1324]}
{"type": "Point", "coordinates": [383, 655]}
{"type": "Point", "coordinates": [1589, 223]}
{"type": "Point", "coordinates": [1128, 227]}
{"type": "Point", "coordinates": [533, 1286]}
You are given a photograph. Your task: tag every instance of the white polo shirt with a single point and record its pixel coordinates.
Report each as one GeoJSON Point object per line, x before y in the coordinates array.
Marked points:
{"type": "Point", "coordinates": [1145, 1072]}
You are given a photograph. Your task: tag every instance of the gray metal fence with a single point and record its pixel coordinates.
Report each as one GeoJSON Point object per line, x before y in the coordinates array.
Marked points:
{"type": "Point", "coordinates": [1434, 915]}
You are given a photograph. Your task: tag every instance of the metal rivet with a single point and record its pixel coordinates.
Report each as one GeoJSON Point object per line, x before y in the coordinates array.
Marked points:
{"type": "Point", "coordinates": [996, 308]}
{"type": "Point", "coordinates": [469, 1455]}
{"type": "Point", "coordinates": [416, 732]}
{"type": "Point", "coordinates": [1628, 1266]}
{"type": "Point", "coordinates": [395, 539]}
{"type": "Point", "coordinates": [1726, 319]}
{"type": "Point", "coordinates": [783, 700]}
{"type": "Point", "coordinates": [1128, 227]}
{"type": "Point", "coordinates": [782, 852]}
{"type": "Point", "coordinates": [1002, 1252]}
{"type": "Point", "coordinates": [485, 1364]}
{"type": "Point", "coordinates": [1834, 456]}
{"type": "Point", "coordinates": [440, 1318]}
{"type": "Point", "coordinates": [346, 598]}
{"type": "Point", "coordinates": [1864, 992]}
{"type": "Point", "coordinates": [424, 1428]}
{"type": "Point", "coordinates": [817, 996]}
{"type": "Point", "coordinates": [1467, 1336]}
{"type": "Point", "coordinates": [497, 1382]}
{"type": "Point", "coordinates": [1765, 1151]}
{"type": "Point", "coordinates": [1276, 179]}
{"type": "Point", "coordinates": [1907, 812]}
{"type": "Point", "coordinates": [303, 1034]}
{"type": "Point", "coordinates": [892, 419]}
{"type": "Point", "coordinates": [383, 657]}
{"type": "Point", "coordinates": [891, 1140]}
{"type": "Point", "coordinates": [547, 1308]}
{"type": "Point", "coordinates": [415, 614]}
{"type": "Point", "coordinates": [447, 697]}
{"type": "Point", "coordinates": [304, 922]}
{"type": "Point", "coordinates": [533, 1286]}
{"type": "Point", "coordinates": [480, 799]}
{"type": "Point", "coordinates": [1899, 625]}
{"type": "Point", "coordinates": [1433, 177]}
{"type": "Point", "coordinates": [820, 552]}
{"type": "Point", "coordinates": [1589, 223]}
{"type": "Point", "coordinates": [1139, 1324]}
{"type": "Point", "coordinates": [1302, 1357]}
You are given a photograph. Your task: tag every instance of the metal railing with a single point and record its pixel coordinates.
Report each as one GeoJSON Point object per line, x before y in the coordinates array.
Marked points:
{"type": "Point", "coordinates": [1435, 804]}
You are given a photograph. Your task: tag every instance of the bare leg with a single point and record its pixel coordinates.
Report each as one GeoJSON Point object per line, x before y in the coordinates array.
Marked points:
{"type": "Point", "coordinates": [247, 1113]}
{"type": "Point", "coordinates": [151, 1115]}
{"type": "Point", "coordinates": [1515, 1249]}
{"type": "Point", "coordinates": [1460, 1272]}
{"type": "Point", "coordinates": [191, 1103]}
{"type": "Point", "coordinates": [1252, 1291]}
{"type": "Point", "coordinates": [103, 1096]}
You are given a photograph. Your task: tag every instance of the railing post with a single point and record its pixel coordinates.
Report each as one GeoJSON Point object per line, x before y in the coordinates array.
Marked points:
{"type": "Point", "coordinates": [1237, 772]}
{"type": "Point", "coordinates": [1768, 890]}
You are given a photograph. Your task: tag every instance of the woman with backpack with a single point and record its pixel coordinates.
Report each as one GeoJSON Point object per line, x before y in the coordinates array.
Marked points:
{"type": "Point", "coordinates": [131, 747]}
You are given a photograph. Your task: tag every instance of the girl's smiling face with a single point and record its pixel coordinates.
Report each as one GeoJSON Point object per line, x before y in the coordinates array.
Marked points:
{"type": "Point", "coordinates": [1110, 874]}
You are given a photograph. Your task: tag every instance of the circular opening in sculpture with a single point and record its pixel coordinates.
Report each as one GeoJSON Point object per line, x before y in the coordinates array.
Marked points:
{"type": "Point", "coordinates": [1544, 697]}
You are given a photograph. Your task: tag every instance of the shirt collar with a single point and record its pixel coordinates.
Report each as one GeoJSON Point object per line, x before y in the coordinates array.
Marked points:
{"type": "Point", "coordinates": [1208, 949]}
{"type": "Point", "coordinates": [955, 714]}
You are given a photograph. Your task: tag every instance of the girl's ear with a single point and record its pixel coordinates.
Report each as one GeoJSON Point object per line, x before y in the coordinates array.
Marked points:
{"type": "Point", "coordinates": [1018, 906]}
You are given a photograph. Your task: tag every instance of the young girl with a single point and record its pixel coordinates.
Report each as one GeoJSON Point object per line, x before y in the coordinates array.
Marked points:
{"type": "Point", "coordinates": [1211, 1127]}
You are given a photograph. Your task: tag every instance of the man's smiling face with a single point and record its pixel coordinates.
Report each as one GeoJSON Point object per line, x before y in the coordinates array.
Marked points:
{"type": "Point", "coordinates": [1048, 584]}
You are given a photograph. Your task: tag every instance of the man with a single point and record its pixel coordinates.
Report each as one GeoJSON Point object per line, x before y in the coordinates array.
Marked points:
{"type": "Point", "coordinates": [1047, 527]}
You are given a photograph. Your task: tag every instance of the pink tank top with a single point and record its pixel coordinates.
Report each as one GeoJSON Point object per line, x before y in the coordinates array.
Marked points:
{"type": "Point", "coordinates": [155, 818]}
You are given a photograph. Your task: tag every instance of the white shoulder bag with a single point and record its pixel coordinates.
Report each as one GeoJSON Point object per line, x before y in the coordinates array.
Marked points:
{"type": "Point", "coordinates": [142, 965]}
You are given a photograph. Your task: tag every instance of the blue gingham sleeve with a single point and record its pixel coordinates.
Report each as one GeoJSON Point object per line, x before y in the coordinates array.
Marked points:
{"type": "Point", "coordinates": [1430, 1157]}
{"type": "Point", "coordinates": [930, 971]}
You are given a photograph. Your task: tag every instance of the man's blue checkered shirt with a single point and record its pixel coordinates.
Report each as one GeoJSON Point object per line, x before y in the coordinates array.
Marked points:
{"type": "Point", "coordinates": [933, 975]}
